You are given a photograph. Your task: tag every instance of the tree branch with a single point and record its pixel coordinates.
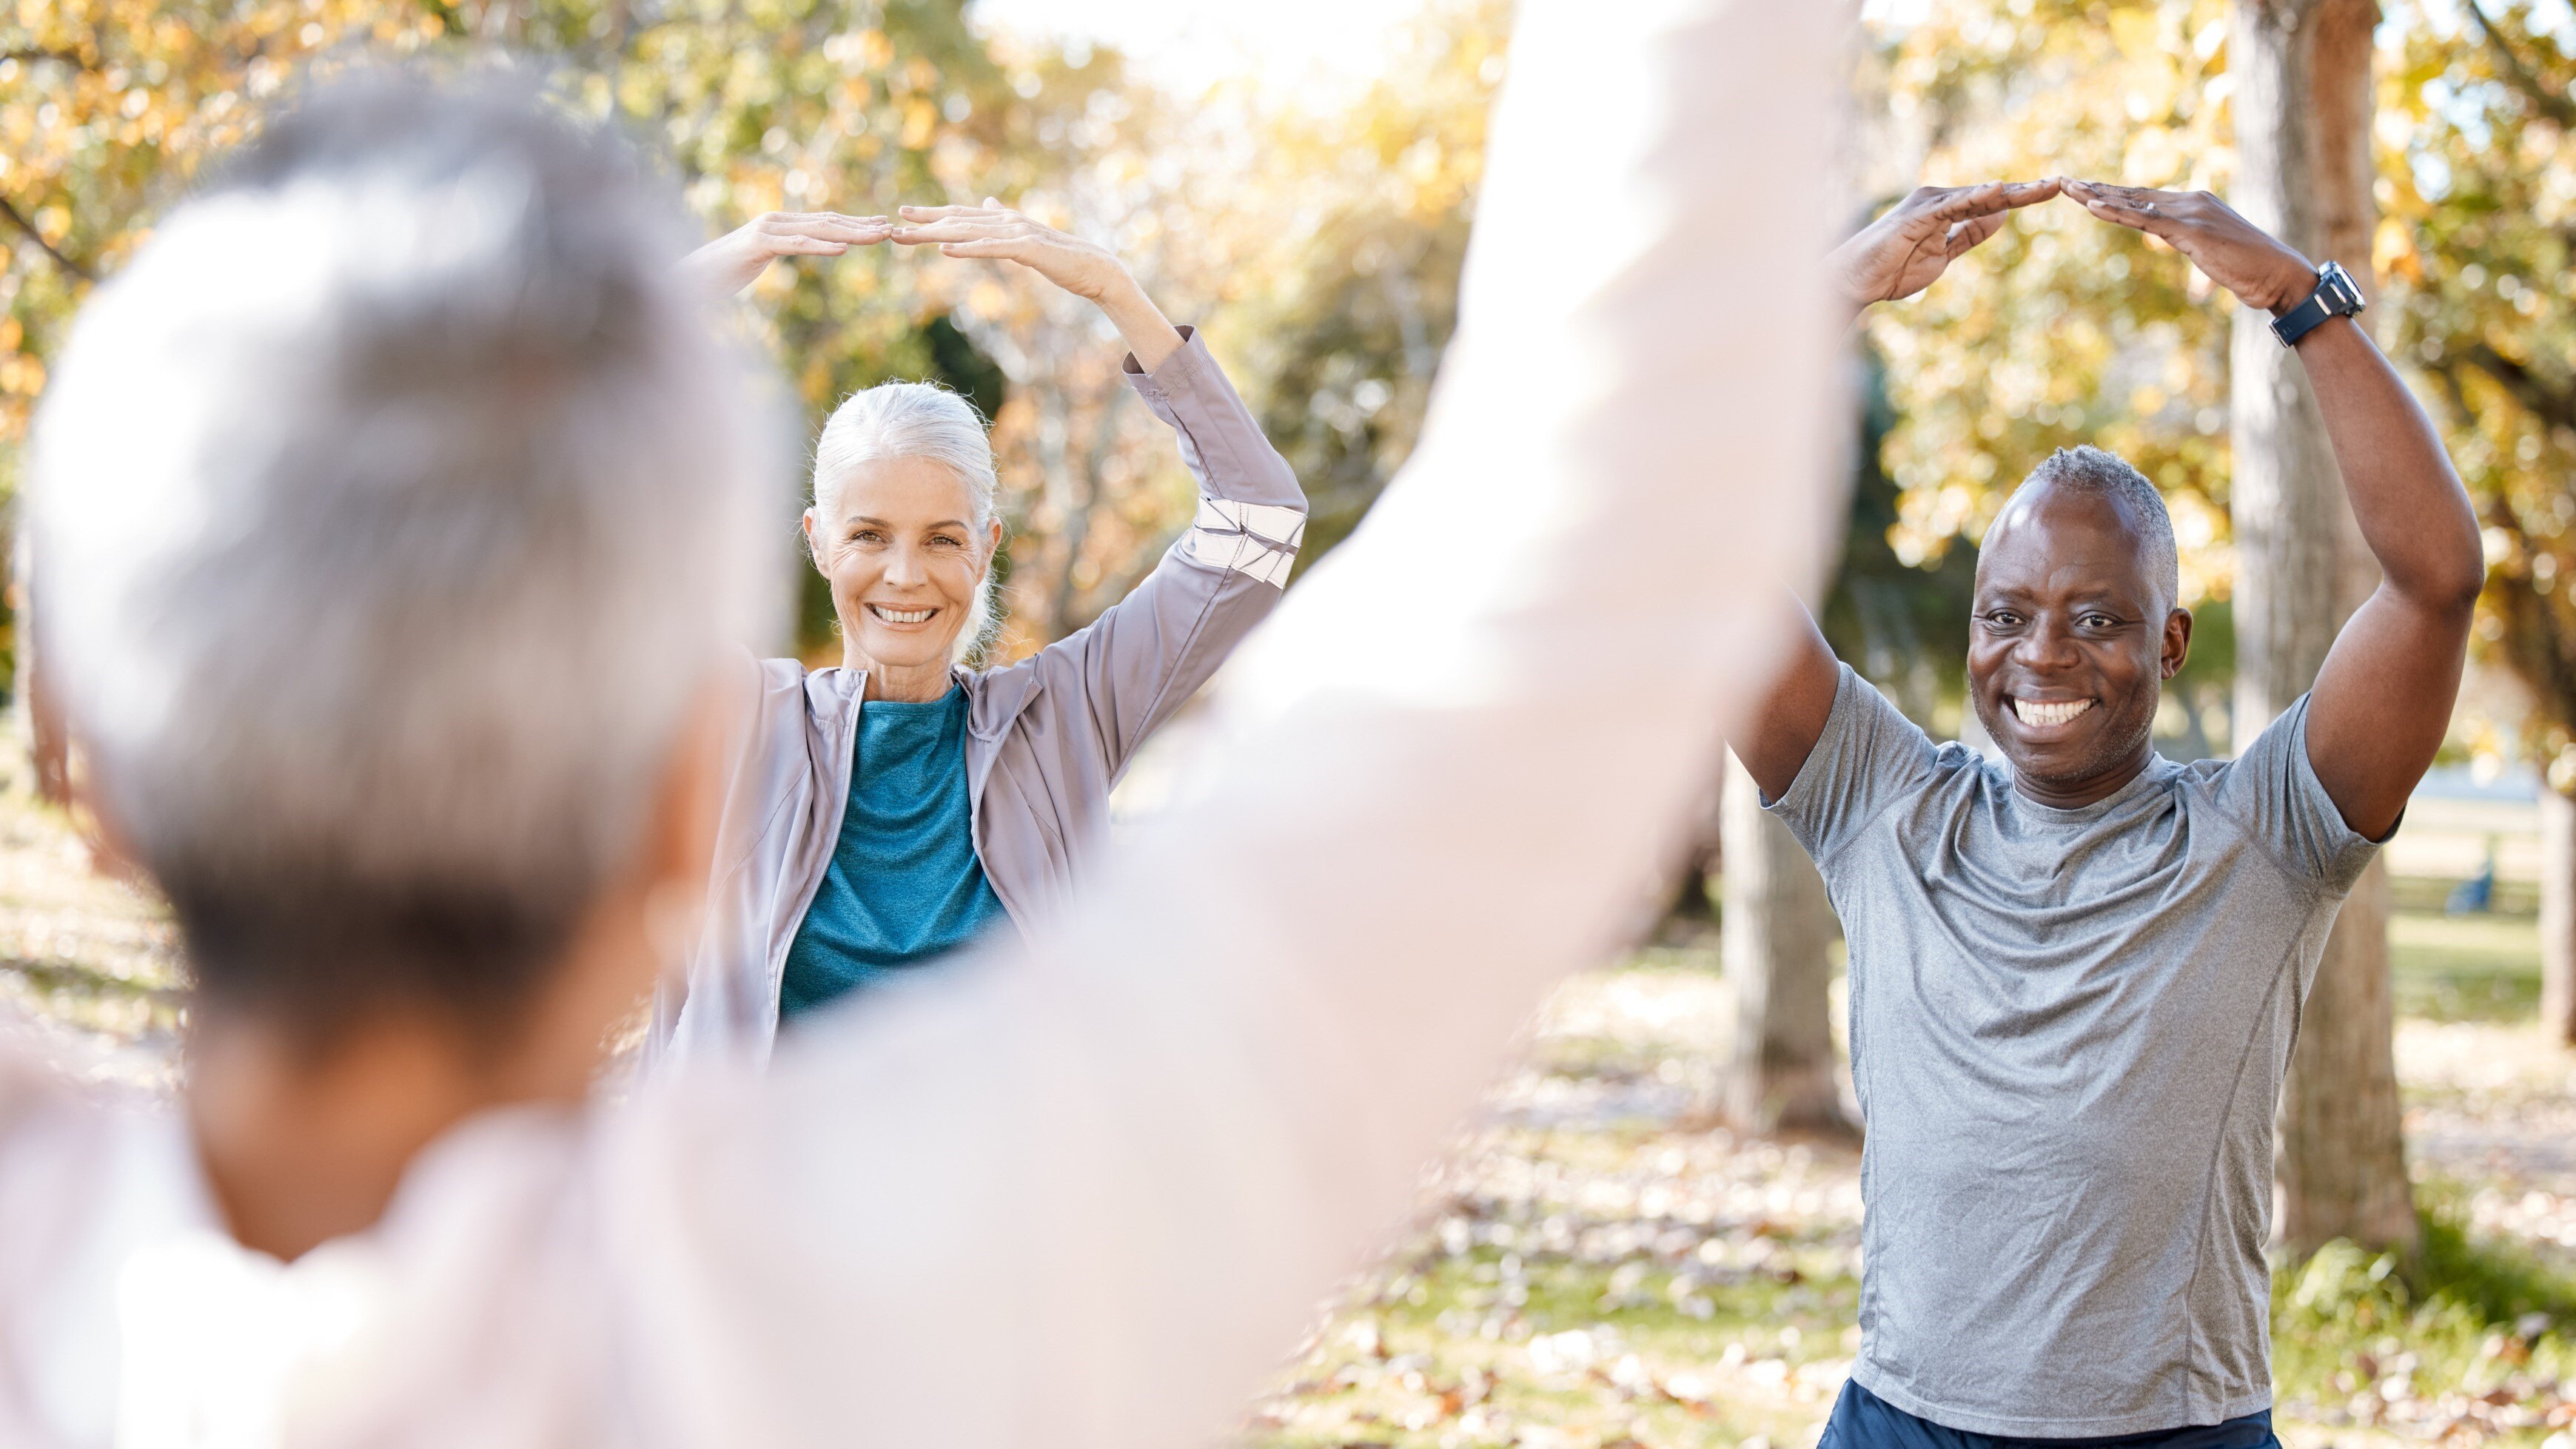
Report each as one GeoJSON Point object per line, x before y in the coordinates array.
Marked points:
{"type": "Point", "coordinates": [2537, 647]}
{"type": "Point", "coordinates": [2518, 73]}
{"type": "Point", "coordinates": [10, 214]}
{"type": "Point", "coordinates": [59, 57]}
{"type": "Point", "coordinates": [2551, 404]}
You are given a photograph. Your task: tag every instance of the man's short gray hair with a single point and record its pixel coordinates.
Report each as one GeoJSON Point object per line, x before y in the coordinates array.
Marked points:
{"type": "Point", "coordinates": [2096, 470]}
{"type": "Point", "coordinates": [915, 420]}
{"type": "Point", "coordinates": [389, 514]}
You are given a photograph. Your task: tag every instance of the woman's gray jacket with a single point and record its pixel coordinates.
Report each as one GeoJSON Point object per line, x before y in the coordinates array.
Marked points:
{"type": "Point", "coordinates": [1046, 738]}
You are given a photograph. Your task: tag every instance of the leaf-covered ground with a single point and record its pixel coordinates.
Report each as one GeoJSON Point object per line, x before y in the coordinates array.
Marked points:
{"type": "Point", "coordinates": [1599, 1265]}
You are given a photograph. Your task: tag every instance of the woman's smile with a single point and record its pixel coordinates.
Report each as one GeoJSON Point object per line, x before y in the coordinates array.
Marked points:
{"type": "Point", "coordinates": [888, 614]}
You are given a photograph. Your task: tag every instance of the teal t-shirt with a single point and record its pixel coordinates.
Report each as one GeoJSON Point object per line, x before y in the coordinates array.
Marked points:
{"type": "Point", "coordinates": [904, 886]}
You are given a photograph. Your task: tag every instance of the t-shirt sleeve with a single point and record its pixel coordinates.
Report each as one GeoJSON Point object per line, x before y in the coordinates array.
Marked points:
{"type": "Point", "coordinates": [2274, 789]}
{"type": "Point", "coordinates": [1868, 756]}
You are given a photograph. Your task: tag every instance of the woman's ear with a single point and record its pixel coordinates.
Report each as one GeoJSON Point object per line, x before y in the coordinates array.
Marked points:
{"type": "Point", "coordinates": [814, 543]}
{"type": "Point", "coordinates": [992, 543]}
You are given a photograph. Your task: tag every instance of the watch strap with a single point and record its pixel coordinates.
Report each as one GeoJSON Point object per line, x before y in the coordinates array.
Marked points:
{"type": "Point", "coordinates": [2328, 300]}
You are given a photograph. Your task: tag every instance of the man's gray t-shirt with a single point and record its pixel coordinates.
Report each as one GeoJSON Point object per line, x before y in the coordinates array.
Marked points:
{"type": "Point", "coordinates": [2068, 1030]}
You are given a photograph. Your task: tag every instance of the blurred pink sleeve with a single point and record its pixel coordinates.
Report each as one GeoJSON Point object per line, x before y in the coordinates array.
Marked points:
{"type": "Point", "coordinates": [1085, 1196]}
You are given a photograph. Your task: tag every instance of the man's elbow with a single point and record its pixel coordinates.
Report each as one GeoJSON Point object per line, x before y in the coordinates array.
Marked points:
{"type": "Point", "coordinates": [2451, 589]}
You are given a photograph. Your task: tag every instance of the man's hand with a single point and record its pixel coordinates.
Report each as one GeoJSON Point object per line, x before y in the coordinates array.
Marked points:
{"type": "Point", "coordinates": [1901, 253]}
{"type": "Point", "coordinates": [2228, 249]}
{"type": "Point", "coordinates": [1086, 269]}
{"type": "Point", "coordinates": [733, 261]}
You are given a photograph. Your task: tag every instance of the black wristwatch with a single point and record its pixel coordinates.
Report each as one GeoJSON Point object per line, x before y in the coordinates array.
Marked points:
{"type": "Point", "coordinates": [2335, 296]}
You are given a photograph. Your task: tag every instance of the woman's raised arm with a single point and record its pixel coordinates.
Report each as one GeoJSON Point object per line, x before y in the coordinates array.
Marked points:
{"type": "Point", "coordinates": [735, 260]}
{"type": "Point", "coordinates": [1086, 269]}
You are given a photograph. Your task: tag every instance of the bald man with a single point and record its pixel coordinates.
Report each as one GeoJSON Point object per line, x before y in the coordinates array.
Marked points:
{"type": "Point", "coordinates": [2077, 970]}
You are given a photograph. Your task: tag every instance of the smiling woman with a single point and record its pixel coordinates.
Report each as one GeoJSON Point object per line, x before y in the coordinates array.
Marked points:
{"type": "Point", "coordinates": [890, 809]}
{"type": "Point", "coordinates": [903, 527]}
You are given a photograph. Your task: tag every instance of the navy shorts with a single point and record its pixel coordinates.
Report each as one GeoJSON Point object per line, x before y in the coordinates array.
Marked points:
{"type": "Point", "coordinates": [1863, 1420]}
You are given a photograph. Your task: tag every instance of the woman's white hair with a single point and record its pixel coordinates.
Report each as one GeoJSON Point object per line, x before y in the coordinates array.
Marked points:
{"type": "Point", "coordinates": [917, 420]}
{"type": "Point", "coordinates": [389, 514]}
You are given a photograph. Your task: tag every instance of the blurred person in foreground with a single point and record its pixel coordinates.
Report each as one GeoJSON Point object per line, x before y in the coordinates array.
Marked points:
{"type": "Point", "coordinates": [2077, 969]}
{"type": "Point", "coordinates": [887, 810]}
{"type": "Point", "coordinates": [398, 526]}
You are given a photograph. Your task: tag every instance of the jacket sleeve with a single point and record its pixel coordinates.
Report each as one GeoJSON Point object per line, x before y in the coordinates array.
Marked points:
{"type": "Point", "coordinates": [1130, 668]}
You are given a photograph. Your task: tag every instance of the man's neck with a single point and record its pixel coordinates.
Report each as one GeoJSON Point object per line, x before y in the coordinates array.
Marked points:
{"type": "Point", "coordinates": [2091, 790]}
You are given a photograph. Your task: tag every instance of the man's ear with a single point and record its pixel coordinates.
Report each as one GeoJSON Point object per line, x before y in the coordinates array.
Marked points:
{"type": "Point", "coordinates": [2177, 641]}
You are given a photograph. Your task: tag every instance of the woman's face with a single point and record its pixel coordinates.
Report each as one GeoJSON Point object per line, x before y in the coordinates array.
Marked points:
{"type": "Point", "coordinates": [904, 559]}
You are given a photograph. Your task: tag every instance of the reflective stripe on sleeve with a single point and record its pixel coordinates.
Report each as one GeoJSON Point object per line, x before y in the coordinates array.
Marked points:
{"type": "Point", "coordinates": [1259, 539]}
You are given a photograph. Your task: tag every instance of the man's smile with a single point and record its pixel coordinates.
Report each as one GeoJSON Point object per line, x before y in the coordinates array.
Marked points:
{"type": "Point", "coordinates": [2048, 713]}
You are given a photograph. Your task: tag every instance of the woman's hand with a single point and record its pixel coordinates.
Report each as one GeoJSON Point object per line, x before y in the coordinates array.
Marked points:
{"type": "Point", "coordinates": [2228, 249]}
{"type": "Point", "coordinates": [731, 262]}
{"type": "Point", "coordinates": [1902, 252]}
{"type": "Point", "coordinates": [1086, 269]}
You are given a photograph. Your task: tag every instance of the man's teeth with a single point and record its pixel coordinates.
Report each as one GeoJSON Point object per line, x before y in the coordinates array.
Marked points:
{"type": "Point", "coordinates": [901, 616]}
{"type": "Point", "coordinates": [2033, 712]}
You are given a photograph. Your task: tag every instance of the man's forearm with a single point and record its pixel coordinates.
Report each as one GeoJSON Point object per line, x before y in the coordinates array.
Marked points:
{"type": "Point", "coordinates": [2413, 513]}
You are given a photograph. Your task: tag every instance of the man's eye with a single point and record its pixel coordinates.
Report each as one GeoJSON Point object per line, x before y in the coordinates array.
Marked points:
{"type": "Point", "coordinates": [2003, 618]}
{"type": "Point", "coordinates": [2100, 621]}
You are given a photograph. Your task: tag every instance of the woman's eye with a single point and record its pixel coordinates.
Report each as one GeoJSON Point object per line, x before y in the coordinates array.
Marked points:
{"type": "Point", "coordinates": [944, 541]}
{"type": "Point", "coordinates": [867, 535]}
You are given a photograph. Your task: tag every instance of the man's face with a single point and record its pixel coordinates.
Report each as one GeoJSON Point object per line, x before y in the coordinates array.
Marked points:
{"type": "Point", "coordinates": [2070, 643]}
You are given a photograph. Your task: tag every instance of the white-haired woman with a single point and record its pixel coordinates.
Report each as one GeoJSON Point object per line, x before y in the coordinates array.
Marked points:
{"type": "Point", "coordinates": [888, 810]}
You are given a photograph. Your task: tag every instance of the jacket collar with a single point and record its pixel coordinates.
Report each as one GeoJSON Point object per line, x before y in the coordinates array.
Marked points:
{"type": "Point", "coordinates": [994, 697]}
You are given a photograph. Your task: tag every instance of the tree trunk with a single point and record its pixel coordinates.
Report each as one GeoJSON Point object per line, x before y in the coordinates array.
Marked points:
{"type": "Point", "coordinates": [2301, 70]}
{"type": "Point", "coordinates": [2558, 916]}
{"type": "Point", "coordinates": [1779, 932]}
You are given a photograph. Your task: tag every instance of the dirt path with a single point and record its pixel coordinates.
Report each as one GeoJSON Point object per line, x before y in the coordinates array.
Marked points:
{"type": "Point", "coordinates": [2493, 1108]}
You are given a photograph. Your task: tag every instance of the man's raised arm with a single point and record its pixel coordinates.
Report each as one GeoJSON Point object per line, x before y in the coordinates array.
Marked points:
{"type": "Point", "coordinates": [2383, 698]}
{"type": "Point", "coordinates": [1893, 257]}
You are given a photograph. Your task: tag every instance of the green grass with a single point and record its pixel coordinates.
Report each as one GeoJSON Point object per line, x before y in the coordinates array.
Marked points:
{"type": "Point", "coordinates": [2431, 893]}
{"type": "Point", "coordinates": [2465, 968]}
{"type": "Point", "coordinates": [2359, 1339]}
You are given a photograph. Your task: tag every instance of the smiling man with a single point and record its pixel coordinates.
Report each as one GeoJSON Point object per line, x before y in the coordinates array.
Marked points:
{"type": "Point", "coordinates": [2077, 970]}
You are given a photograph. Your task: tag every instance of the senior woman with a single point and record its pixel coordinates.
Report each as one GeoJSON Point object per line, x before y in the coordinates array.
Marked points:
{"type": "Point", "coordinates": [887, 810]}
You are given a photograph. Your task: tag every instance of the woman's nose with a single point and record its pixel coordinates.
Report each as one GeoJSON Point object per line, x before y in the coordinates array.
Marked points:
{"type": "Point", "coordinates": [904, 567]}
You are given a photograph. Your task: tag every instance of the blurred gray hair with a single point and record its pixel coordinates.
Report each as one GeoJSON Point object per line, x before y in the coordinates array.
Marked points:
{"type": "Point", "coordinates": [916, 420]}
{"type": "Point", "coordinates": [390, 514]}
{"type": "Point", "coordinates": [2096, 470]}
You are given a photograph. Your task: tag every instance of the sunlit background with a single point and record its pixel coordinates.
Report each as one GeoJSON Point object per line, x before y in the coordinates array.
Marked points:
{"type": "Point", "coordinates": [1297, 179]}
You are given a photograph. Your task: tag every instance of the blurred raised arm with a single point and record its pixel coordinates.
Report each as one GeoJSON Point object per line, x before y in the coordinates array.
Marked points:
{"type": "Point", "coordinates": [1086, 1194]}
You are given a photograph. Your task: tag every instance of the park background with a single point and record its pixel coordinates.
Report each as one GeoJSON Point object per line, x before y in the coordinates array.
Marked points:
{"type": "Point", "coordinates": [1649, 1236]}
